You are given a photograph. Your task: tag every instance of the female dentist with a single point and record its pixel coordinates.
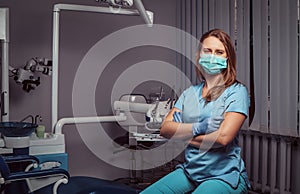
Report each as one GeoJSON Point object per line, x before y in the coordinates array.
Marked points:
{"type": "Point", "coordinates": [208, 116]}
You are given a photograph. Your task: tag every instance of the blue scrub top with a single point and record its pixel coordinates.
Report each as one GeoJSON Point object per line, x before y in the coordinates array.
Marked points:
{"type": "Point", "coordinates": [225, 162]}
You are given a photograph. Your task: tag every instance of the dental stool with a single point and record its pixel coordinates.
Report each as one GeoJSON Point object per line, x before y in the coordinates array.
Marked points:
{"type": "Point", "coordinates": [35, 179]}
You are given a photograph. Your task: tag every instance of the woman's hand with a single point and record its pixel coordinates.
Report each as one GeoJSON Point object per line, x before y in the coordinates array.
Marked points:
{"type": "Point", "coordinates": [224, 135]}
{"type": "Point", "coordinates": [206, 126]}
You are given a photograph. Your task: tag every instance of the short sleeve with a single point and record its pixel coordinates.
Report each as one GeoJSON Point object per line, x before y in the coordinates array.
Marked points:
{"type": "Point", "coordinates": [180, 101]}
{"type": "Point", "coordinates": [190, 94]}
{"type": "Point", "coordinates": [238, 100]}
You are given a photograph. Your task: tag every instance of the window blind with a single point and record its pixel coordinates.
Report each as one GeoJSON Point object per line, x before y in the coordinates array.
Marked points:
{"type": "Point", "coordinates": [266, 37]}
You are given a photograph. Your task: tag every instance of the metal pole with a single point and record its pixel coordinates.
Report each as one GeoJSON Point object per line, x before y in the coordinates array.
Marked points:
{"type": "Point", "coordinates": [55, 56]}
{"type": "Point", "coordinates": [4, 36]}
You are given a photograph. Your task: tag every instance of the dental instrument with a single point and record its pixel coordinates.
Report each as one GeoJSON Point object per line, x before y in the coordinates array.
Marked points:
{"type": "Point", "coordinates": [153, 115]}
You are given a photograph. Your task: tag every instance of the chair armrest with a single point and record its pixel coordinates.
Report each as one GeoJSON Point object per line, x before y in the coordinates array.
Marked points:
{"type": "Point", "coordinates": [37, 173]}
{"type": "Point", "coordinates": [20, 158]}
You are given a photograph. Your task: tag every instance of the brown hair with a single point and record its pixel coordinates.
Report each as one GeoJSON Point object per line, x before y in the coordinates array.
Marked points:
{"type": "Point", "coordinates": [228, 74]}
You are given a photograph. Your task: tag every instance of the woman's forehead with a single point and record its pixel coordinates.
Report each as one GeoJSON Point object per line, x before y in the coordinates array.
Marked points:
{"type": "Point", "coordinates": [212, 43]}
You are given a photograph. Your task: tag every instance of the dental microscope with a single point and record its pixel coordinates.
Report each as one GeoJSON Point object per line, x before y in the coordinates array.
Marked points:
{"type": "Point", "coordinates": [27, 75]}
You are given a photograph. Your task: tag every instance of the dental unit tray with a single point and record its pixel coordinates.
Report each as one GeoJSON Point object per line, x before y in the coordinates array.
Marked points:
{"type": "Point", "coordinates": [148, 137]}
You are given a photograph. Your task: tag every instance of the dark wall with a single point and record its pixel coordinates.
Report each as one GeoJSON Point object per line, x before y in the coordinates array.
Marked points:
{"type": "Point", "coordinates": [31, 36]}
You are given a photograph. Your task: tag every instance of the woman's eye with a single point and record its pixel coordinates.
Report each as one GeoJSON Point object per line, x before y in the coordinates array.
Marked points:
{"type": "Point", "coordinates": [219, 52]}
{"type": "Point", "coordinates": [207, 51]}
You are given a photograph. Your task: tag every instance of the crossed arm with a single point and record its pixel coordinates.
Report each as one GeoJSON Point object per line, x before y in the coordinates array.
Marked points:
{"type": "Point", "coordinates": [221, 137]}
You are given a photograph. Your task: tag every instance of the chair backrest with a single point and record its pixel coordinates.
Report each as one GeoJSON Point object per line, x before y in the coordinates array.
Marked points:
{"type": "Point", "coordinates": [4, 169]}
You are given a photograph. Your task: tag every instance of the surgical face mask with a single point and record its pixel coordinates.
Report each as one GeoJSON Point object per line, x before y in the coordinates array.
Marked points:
{"type": "Point", "coordinates": [212, 64]}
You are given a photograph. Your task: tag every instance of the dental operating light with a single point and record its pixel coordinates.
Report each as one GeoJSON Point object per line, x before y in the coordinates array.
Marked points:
{"type": "Point", "coordinates": [146, 15]}
{"type": "Point", "coordinates": [119, 3]}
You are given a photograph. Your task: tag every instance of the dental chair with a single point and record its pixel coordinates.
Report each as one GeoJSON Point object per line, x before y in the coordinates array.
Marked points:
{"type": "Point", "coordinates": [90, 185]}
{"type": "Point", "coordinates": [49, 181]}
{"type": "Point", "coordinates": [32, 177]}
